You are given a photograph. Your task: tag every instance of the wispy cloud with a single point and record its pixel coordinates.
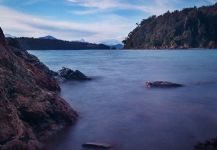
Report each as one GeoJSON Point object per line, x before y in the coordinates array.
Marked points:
{"type": "Point", "coordinates": [151, 7]}
{"type": "Point", "coordinates": [92, 20]}
{"type": "Point", "coordinates": [94, 6]}
{"type": "Point", "coordinates": [14, 22]}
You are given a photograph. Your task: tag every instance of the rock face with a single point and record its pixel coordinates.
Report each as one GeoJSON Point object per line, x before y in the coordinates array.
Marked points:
{"type": "Point", "coordinates": [189, 28]}
{"type": "Point", "coordinates": [68, 74]}
{"type": "Point", "coordinates": [162, 84]}
{"type": "Point", "coordinates": [2, 38]}
{"type": "Point", "coordinates": [30, 108]}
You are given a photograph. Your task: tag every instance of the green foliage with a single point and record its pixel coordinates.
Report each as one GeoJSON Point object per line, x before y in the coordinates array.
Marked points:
{"type": "Point", "coordinates": [189, 28]}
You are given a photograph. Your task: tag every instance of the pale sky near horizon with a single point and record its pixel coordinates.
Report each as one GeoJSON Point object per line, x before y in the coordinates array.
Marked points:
{"type": "Point", "coordinates": [92, 20]}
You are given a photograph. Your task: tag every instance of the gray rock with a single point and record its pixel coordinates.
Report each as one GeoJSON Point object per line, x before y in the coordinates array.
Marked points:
{"type": "Point", "coordinates": [162, 84]}
{"type": "Point", "coordinates": [97, 145]}
{"type": "Point", "coordinates": [69, 74]}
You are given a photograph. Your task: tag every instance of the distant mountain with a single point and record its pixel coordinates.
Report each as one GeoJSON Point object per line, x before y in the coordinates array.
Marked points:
{"type": "Point", "coordinates": [189, 28]}
{"type": "Point", "coordinates": [82, 40]}
{"type": "Point", "coordinates": [48, 37]}
{"type": "Point", "coordinates": [111, 42]}
{"type": "Point", "coordinates": [114, 44]}
{"type": "Point", "coordinates": [9, 36]}
{"type": "Point", "coordinates": [117, 46]}
{"type": "Point", "coordinates": [54, 44]}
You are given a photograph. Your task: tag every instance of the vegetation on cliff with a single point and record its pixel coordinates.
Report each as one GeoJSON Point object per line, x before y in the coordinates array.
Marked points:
{"type": "Point", "coordinates": [30, 107]}
{"type": "Point", "coordinates": [189, 28]}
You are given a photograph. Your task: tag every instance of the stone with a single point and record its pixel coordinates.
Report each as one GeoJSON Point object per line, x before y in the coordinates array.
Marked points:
{"type": "Point", "coordinates": [97, 145]}
{"type": "Point", "coordinates": [162, 84]}
{"type": "Point", "coordinates": [69, 74]}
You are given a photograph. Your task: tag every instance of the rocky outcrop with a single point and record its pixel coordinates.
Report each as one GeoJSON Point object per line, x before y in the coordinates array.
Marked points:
{"type": "Point", "coordinates": [69, 74]}
{"type": "Point", "coordinates": [162, 84]}
{"type": "Point", "coordinates": [189, 28]}
{"type": "Point", "coordinates": [30, 107]}
{"type": "Point", "coordinates": [2, 38]}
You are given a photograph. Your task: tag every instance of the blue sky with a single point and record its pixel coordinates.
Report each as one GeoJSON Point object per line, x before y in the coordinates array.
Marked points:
{"type": "Point", "coordinates": [92, 20]}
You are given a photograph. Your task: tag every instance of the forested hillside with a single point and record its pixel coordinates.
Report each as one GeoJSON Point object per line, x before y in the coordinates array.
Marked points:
{"type": "Point", "coordinates": [189, 28]}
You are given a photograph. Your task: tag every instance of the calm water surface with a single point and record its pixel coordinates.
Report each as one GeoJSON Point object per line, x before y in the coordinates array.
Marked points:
{"type": "Point", "coordinates": [116, 107]}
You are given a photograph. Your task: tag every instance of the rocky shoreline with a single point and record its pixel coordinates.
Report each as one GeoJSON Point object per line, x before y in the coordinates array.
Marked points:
{"type": "Point", "coordinates": [31, 109]}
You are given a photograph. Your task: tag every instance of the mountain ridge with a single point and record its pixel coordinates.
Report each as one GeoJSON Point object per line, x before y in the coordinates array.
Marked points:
{"type": "Point", "coordinates": [53, 44]}
{"type": "Point", "coordinates": [48, 37]}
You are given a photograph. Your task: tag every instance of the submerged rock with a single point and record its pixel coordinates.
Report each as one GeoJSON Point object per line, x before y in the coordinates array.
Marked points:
{"type": "Point", "coordinates": [97, 145]}
{"type": "Point", "coordinates": [208, 145]}
{"type": "Point", "coordinates": [162, 84]}
{"type": "Point", "coordinates": [69, 74]}
{"type": "Point", "coordinates": [30, 107]}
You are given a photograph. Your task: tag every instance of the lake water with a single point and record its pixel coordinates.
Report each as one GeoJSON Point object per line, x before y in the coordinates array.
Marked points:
{"type": "Point", "coordinates": [116, 107]}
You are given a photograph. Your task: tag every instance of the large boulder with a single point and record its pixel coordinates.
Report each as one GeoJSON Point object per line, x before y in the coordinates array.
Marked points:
{"type": "Point", "coordinates": [162, 84]}
{"type": "Point", "coordinates": [30, 107]}
{"type": "Point", "coordinates": [69, 74]}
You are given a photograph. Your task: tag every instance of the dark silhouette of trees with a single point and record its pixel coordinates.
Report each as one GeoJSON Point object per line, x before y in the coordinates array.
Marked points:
{"type": "Point", "coordinates": [47, 44]}
{"type": "Point", "coordinates": [189, 28]}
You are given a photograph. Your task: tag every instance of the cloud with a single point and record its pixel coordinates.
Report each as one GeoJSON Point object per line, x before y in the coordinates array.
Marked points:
{"type": "Point", "coordinates": [20, 24]}
{"type": "Point", "coordinates": [109, 19]}
{"type": "Point", "coordinates": [152, 7]}
{"type": "Point", "coordinates": [155, 7]}
{"type": "Point", "coordinates": [100, 4]}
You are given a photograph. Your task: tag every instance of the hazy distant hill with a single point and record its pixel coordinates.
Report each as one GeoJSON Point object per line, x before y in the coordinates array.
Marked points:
{"type": "Point", "coordinates": [50, 43]}
{"type": "Point", "coordinates": [189, 28]}
{"type": "Point", "coordinates": [117, 46]}
{"type": "Point", "coordinates": [9, 36]}
{"type": "Point", "coordinates": [48, 37]}
{"type": "Point", "coordinates": [114, 44]}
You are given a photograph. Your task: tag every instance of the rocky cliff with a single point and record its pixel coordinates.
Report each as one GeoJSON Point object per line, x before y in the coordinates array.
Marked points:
{"type": "Point", "coordinates": [189, 28]}
{"type": "Point", "coordinates": [30, 107]}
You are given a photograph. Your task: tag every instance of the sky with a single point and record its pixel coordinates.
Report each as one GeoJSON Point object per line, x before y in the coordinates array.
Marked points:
{"type": "Point", "coordinates": [91, 20]}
